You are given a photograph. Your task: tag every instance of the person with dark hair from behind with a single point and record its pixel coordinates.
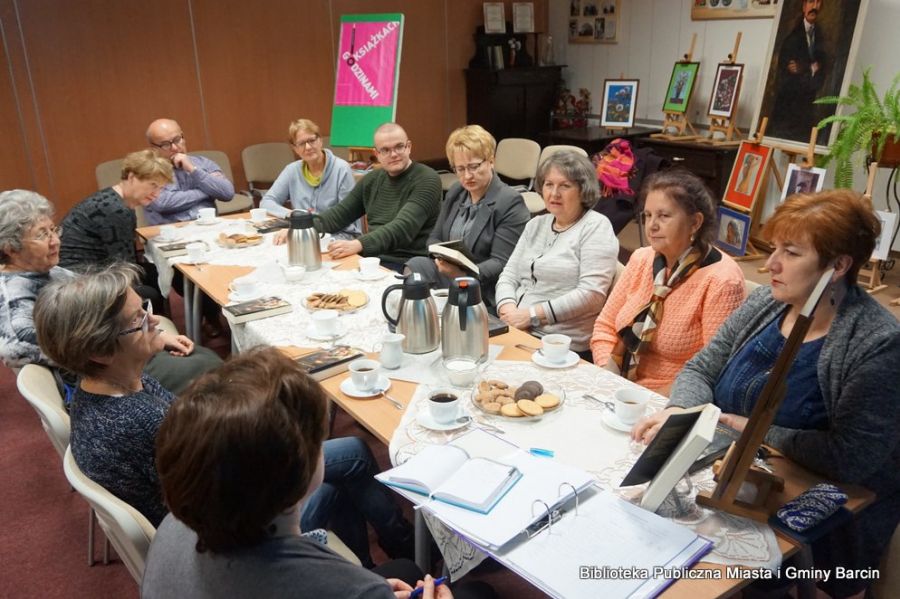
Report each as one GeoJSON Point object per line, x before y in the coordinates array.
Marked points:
{"type": "Point", "coordinates": [238, 455]}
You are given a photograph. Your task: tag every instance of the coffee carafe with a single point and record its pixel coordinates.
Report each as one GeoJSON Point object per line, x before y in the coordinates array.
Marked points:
{"type": "Point", "coordinates": [464, 322]}
{"type": "Point", "coordinates": [417, 316]}
{"type": "Point", "coordinates": [303, 241]}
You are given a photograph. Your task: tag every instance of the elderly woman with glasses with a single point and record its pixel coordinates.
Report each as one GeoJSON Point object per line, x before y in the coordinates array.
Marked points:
{"type": "Point", "coordinates": [557, 278]}
{"type": "Point", "coordinates": [480, 210]}
{"type": "Point", "coordinates": [315, 182]}
{"type": "Point", "coordinates": [29, 257]}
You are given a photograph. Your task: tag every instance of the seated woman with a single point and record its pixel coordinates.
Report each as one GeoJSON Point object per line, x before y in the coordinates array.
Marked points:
{"type": "Point", "coordinates": [482, 211]}
{"type": "Point", "coordinates": [244, 445]}
{"type": "Point", "coordinates": [96, 326]}
{"type": "Point", "coordinates": [840, 415]}
{"type": "Point", "coordinates": [558, 275]}
{"type": "Point", "coordinates": [99, 230]}
{"type": "Point", "coordinates": [315, 183]}
{"type": "Point", "coordinates": [673, 295]}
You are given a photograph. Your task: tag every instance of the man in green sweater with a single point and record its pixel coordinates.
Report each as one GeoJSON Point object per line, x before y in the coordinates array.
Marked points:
{"type": "Point", "coordinates": [400, 200]}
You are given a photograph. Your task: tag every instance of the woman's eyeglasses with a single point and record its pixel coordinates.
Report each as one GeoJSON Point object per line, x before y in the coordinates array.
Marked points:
{"type": "Point", "coordinates": [144, 327]}
{"type": "Point", "coordinates": [468, 168]}
{"type": "Point", "coordinates": [46, 234]}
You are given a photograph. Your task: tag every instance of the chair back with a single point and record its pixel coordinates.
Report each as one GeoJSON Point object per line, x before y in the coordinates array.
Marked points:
{"type": "Point", "coordinates": [620, 268]}
{"type": "Point", "coordinates": [517, 158]}
{"type": "Point", "coordinates": [534, 202]}
{"type": "Point", "coordinates": [241, 202]}
{"type": "Point", "coordinates": [548, 150]}
{"type": "Point", "coordinates": [339, 151]}
{"type": "Point", "coordinates": [108, 174]}
{"type": "Point", "coordinates": [126, 528]}
{"type": "Point", "coordinates": [749, 286]}
{"type": "Point", "coordinates": [264, 162]}
{"type": "Point", "coordinates": [38, 387]}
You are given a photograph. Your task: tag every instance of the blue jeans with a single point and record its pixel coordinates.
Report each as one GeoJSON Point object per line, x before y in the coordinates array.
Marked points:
{"type": "Point", "coordinates": [350, 496]}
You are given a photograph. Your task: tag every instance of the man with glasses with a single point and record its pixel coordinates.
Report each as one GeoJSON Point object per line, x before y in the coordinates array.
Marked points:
{"type": "Point", "coordinates": [198, 181]}
{"type": "Point", "coordinates": [400, 202]}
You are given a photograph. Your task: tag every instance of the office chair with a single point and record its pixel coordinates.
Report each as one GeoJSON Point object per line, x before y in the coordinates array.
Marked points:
{"type": "Point", "coordinates": [263, 163]}
{"type": "Point", "coordinates": [517, 159]}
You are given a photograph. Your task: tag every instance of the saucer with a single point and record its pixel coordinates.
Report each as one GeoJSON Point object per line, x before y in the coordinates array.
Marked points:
{"type": "Point", "coordinates": [211, 221]}
{"type": "Point", "coordinates": [348, 388]}
{"type": "Point", "coordinates": [539, 359]}
{"type": "Point", "coordinates": [313, 334]}
{"type": "Point", "coordinates": [166, 238]}
{"type": "Point", "coordinates": [375, 276]}
{"type": "Point", "coordinates": [612, 421]}
{"type": "Point", "coordinates": [424, 419]}
{"type": "Point", "coordinates": [233, 296]}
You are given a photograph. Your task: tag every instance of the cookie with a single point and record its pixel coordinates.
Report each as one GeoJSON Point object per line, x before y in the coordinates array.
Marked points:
{"type": "Point", "coordinates": [491, 407]}
{"type": "Point", "coordinates": [525, 392]}
{"type": "Point", "coordinates": [534, 387]}
{"type": "Point", "coordinates": [354, 297]}
{"type": "Point", "coordinates": [484, 397]}
{"type": "Point", "coordinates": [498, 384]}
{"type": "Point", "coordinates": [548, 401]}
{"type": "Point", "coordinates": [529, 407]}
{"type": "Point", "coordinates": [503, 400]}
{"type": "Point", "coordinates": [511, 410]}
{"type": "Point", "coordinates": [484, 386]}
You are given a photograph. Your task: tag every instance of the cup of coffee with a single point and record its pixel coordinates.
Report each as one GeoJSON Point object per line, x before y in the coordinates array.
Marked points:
{"type": "Point", "coordinates": [168, 233]}
{"type": "Point", "coordinates": [364, 374]}
{"type": "Point", "coordinates": [369, 266]}
{"type": "Point", "coordinates": [443, 405]}
{"type": "Point", "coordinates": [630, 404]}
{"type": "Point", "coordinates": [325, 241]}
{"type": "Point", "coordinates": [461, 370]}
{"type": "Point", "coordinates": [206, 214]}
{"type": "Point", "coordinates": [196, 251]}
{"type": "Point", "coordinates": [325, 322]}
{"type": "Point", "coordinates": [244, 287]}
{"type": "Point", "coordinates": [258, 215]}
{"type": "Point", "coordinates": [556, 347]}
{"type": "Point", "coordinates": [440, 299]}
{"type": "Point", "coordinates": [392, 350]}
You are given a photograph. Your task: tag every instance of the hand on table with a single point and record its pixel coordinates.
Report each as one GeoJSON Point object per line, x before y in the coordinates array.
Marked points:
{"type": "Point", "coordinates": [177, 345]}
{"type": "Point", "coordinates": [519, 318]}
{"type": "Point", "coordinates": [341, 248]}
{"type": "Point", "coordinates": [280, 237]}
{"type": "Point", "coordinates": [646, 428]}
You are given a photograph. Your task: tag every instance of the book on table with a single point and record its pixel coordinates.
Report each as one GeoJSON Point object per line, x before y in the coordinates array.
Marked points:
{"type": "Point", "coordinates": [173, 249]}
{"type": "Point", "coordinates": [328, 362]}
{"type": "Point", "coordinates": [262, 307]}
{"type": "Point", "coordinates": [456, 253]}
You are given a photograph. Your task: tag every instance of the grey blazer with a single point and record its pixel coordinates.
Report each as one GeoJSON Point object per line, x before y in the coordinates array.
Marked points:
{"type": "Point", "coordinates": [492, 237]}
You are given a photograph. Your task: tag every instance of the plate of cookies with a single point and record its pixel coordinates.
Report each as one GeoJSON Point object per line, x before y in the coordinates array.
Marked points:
{"type": "Point", "coordinates": [525, 400]}
{"type": "Point", "coordinates": [345, 300]}
{"type": "Point", "coordinates": [238, 240]}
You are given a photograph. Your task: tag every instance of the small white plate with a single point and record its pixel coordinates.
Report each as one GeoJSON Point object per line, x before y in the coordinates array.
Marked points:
{"type": "Point", "coordinates": [312, 333]}
{"type": "Point", "coordinates": [383, 384]}
{"type": "Point", "coordinates": [613, 422]}
{"type": "Point", "coordinates": [236, 297]}
{"type": "Point", "coordinates": [167, 238]}
{"type": "Point", "coordinates": [424, 418]}
{"type": "Point", "coordinates": [539, 359]}
{"type": "Point", "coordinates": [211, 221]}
{"type": "Point", "coordinates": [375, 276]}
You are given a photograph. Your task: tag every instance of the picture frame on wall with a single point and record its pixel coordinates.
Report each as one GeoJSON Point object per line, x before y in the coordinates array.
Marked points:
{"type": "Point", "coordinates": [726, 90]}
{"type": "Point", "coordinates": [523, 17]}
{"type": "Point", "coordinates": [732, 231]}
{"type": "Point", "coordinates": [619, 103]}
{"type": "Point", "coordinates": [593, 21]}
{"type": "Point", "coordinates": [681, 86]}
{"type": "Point", "coordinates": [747, 174]}
{"type": "Point", "coordinates": [704, 10]}
{"type": "Point", "coordinates": [802, 180]}
{"type": "Point", "coordinates": [494, 17]}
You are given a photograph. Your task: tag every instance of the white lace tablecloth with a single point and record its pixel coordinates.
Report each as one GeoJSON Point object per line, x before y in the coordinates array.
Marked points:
{"type": "Point", "coordinates": [578, 437]}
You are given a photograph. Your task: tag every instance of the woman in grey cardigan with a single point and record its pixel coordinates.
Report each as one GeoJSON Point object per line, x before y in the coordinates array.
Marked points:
{"type": "Point", "coordinates": [841, 414]}
{"type": "Point", "coordinates": [556, 280]}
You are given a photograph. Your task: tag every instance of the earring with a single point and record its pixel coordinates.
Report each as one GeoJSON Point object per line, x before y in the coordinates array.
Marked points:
{"type": "Point", "coordinates": [693, 238]}
{"type": "Point", "coordinates": [831, 299]}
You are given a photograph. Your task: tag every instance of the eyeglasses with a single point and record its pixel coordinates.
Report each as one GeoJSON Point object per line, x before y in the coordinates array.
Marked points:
{"type": "Point", "coordinates": [468, 168]}
{"type": "Point", "coordinates": [399, 149]}
{"type": "Point", "coordinates": [45, 234]}
{"type": "Point", "coordinates": [168, 145]}
{"type": "Point", "coordinates": [306, 142]}
{"type": "Point", "coordinates": [145, 321]}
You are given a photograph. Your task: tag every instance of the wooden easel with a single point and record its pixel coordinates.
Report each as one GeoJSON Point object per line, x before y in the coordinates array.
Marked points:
{"type": "Point", "coordinates": [678, 120]}
{"type": "Point", "coordinates": [737, 465]}
{"type": "Point", "coordinates": [619, 130]}
{"type": "Point", "coordinates": [725, 125]}
{"type": "Point", "coordinates": [869, 277]}
{"type": "Point", "coordinates": [752, 252]}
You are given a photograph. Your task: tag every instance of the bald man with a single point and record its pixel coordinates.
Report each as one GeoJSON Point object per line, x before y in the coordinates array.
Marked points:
{"type": "Point", "coordinates": [198, 181]}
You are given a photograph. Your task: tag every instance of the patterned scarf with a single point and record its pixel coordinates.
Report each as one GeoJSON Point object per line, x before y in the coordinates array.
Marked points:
{"type": "Point", "coordinates": [614, 165]}
{"type": "Point", "coordinates": [638, 334]}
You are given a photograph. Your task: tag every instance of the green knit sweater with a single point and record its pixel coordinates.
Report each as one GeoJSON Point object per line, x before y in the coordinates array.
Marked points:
{"type": "Point", "coordinates": [401, 212]}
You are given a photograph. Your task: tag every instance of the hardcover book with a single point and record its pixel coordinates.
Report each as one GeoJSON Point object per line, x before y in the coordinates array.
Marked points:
{"type": "Point", "coordinates": [456, 253]}
{"type": "Point", "coordinates": [329, 362]}
{"type": "Point", "coordinates": [177, 248]}
{"type": "Point", "coordinates": [262, 307]}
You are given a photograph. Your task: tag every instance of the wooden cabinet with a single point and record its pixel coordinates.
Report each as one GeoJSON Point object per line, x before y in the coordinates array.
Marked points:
{"type": "Point", "coordinates": [512, 102]}
{"type": "Point", "coordinates": [710, 163]}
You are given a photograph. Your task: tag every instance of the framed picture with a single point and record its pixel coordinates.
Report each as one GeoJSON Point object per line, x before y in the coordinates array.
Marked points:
{"type": "Point", "coordinates": [523, 17]}
{"type": "Point", "coordinates": [802, 180]}
{"type": "Point", "coordinates": [747, 175]}
{"type": "Point", "coordinates": [593, 21]}
{"type": "Point", "coordinates": [733, 231]}
{"type": "Point", "coordinates": [703, 10]}
{"type": "Point", "coordinates": [619, 103]}
{"type": "Point", "coordinates": [726, 89]}
{"type": "Point", "coordinates": [494, 17]}
{"type": "Point", "coordinates": [681, 86]}
{"type": "Point", "coordinates": [801, 67]}
{"type": "Point", "coordinates": [883, 243]}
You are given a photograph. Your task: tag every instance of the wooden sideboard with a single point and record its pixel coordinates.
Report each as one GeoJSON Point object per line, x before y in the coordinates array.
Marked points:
{"type": "Point", "coordinates": [513, 102]}
{"type": "Point", "coordinates": [710, 163]}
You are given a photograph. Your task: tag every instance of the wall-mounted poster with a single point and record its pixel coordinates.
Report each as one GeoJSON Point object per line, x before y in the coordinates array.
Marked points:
{"type": "Point", "coordinates": [726, 90]}
{"type": "Point", "coordinates": [619, 103]}
{"type": "Point", "coordinates": [681, 86]}
{"type": "Point", "coordinates": [746, 175]}
{"type": "Point", "coordinates": [811, 55]}
{"type": "Point", "coordinates": [593, 21]}
{"type": "Point", "coordinates": [727, 9]}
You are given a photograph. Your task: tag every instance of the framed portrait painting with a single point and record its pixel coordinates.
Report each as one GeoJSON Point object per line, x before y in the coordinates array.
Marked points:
{"type": "Point", "coordinates": [681, 86]}
{"type": "Point", "coordinates": [888, 222]}
{"type": "Point", "coordinates": [802, 180]}
{"type": "Point", "coordinates": [733, 231]}
{"type": "Point", "coordinates": [726, 90]}
{"type": "Point", "coordinates": [747, 175]}
{"type": "Point", "coordinates": [619, 103]}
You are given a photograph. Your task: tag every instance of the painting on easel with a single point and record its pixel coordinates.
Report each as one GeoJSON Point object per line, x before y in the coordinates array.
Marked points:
{"type": "Point", "coordinates": [723, 100]}
{"type": "Point", "coordinates": [619, 103]}
{"type": "Point", "coordinates": [681, 86]}
{"type": "Point", "coordinates": [733, 231]}
{"type": "Point", "coordinates": [802, 180]}
{"type": "Point", "coordinates": [747, 175]}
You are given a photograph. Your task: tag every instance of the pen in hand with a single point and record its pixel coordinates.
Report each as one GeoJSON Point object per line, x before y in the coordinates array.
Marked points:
{"type": "Point", "coordinates": [418, 592]}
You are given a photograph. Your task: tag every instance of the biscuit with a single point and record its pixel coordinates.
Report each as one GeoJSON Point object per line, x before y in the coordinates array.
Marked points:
{"type": "Point", "coordinates": [505, 393]}
{"type": "Point", "coordinates": [529, 407]}
{"type": "Point", "coordinates": [503, 400]}
{"type": "Point", "coordinates": [525, 392]}
{"type": "Point", "coordinates": [492, 407]}
{"type": "Point", "coordinates": [533, 386]}
{"type": "Point", "coordinates": [548, 401]}
{"type": "Point", "coordinates": [511, 410]}
{"type": "Point", "coordinates": [484, 397]}
{"type": "Point", "coordinates": [484, 386]}
{"type": "Point", "coordinates": [498, 384]}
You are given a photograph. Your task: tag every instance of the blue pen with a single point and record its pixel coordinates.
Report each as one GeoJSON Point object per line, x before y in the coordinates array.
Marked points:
{"type": "Point", "coordinates": [544, 453]}
{"type": "Point", "coordinates": [418, 592]}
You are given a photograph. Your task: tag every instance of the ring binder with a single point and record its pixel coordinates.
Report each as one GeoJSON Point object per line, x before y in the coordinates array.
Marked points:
{"type": "Point", "coordinates": [551, 514]}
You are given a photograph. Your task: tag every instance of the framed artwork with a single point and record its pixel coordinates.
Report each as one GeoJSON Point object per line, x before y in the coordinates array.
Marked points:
{"type": "Point", "coordinates": [726, 89]}
{"type": "Point", "coordinates": [619, 103]}
{"type": "Point", "coordinates": [494, 17]}
{"type": "Point", "coordinates": [883, 243]}
{"type": "Point", "coordinates": [802, 180]}
{"type": "Point", "coordinates": [593, 21]}
{"type": "Point", "coordinates": [681, 86]}
{"type": "Point", "coordinates": [523, 17]}
{"type": "Point", "coordinates": [733, 231]}
{"type": "Point", "coordinates": [747, 174]}
{"type": "Point", "coordinates": [703, 10]}
{"type": "Point", "coordinates": [801, 67]}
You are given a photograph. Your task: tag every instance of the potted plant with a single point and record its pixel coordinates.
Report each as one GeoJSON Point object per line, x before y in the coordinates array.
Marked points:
{"type": "Point", "coordinates": [874, 126]}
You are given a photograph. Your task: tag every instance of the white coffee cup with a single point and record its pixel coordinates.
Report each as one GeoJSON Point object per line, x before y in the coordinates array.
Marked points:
{"type": "Point", "coordinates": [325, 322]}
{"type": "Point", "coordinates": [392, 350]}
{"type": "Point", "coordinates": [364, 374]}
{"type": "Point", "coordinates": [258, 215]}
{"type": "Point", "coordinates": [168, 233]}
{"type": "Point", "coordinates": [630, 404]}
{"type": "Point", "coordinates": [443, 405]}
{"type": "Point", "coordinates": [206, 214]}
{"type": "Point", "coordinates": [369, 266]}
{"type": "Point", "coordinates": [196, 251]}
{"type": "Point", "coordinates": [461, 370]}
{"type": "Point", "coordinates": [556, 347]}
{"type": "Point", "coordinates": [440, 299]}
{"type": "Point", "coordinates": [325, 241]}
{"type": "Point", "coordinates": [294, 273]}
{"type": "Point", "coordinates": [244, 286]}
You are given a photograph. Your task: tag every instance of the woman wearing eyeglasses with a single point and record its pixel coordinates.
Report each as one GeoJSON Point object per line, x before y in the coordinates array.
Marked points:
{"type": "Point", "coordinates": [315, 183]}
{"type": "Point", "coordinates": [482, 211]}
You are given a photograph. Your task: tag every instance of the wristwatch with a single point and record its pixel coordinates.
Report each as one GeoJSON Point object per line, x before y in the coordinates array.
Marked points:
{"type": "Point", "coordinates": [535, 321]}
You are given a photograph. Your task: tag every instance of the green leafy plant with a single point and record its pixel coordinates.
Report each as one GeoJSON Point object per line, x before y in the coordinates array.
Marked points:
{"type": "Point", "coordinates": [874, 120]}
